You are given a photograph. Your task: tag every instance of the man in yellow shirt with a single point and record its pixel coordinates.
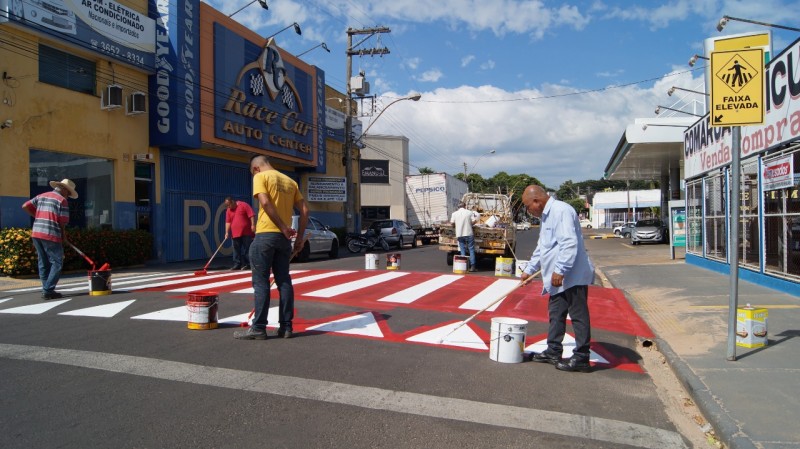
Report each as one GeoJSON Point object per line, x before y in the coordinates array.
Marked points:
{"type": "Point", "coordinates": [278, 196]}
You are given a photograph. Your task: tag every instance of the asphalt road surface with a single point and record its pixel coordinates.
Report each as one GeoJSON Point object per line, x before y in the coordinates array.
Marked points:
{"type": "Point", "coordinates": [366, 368]}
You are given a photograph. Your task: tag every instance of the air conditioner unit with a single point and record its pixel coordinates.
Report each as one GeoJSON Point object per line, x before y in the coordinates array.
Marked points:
{"type": "Point", "coordinates": [111, 97]}
{"type": "Point", "coordinates": [144, 157]}
{"type": "Point", "coordinates": [135, 104]}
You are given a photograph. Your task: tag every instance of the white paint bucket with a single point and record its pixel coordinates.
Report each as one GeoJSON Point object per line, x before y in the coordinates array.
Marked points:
{"type": "Point", "coordinates": [460, 264]}
{"type": "Point", "coordinates": [370, 261]}
{"type": "Point", "coordinates": [503, 266]}
{"type": "Point", "coordinates": [507, 340]}
{"type": "Point", "coordinates": [521, 264]}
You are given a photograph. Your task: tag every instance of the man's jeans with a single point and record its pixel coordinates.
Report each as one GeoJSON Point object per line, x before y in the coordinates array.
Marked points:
{"type": "Point", "coordinates": [271, 251]}
{"type": "Point", "coordinates": [467, 243]}
{"type": "Point", "coordinates": [51, 260]}
{"type": "Point", "coordinates": [241, 248]}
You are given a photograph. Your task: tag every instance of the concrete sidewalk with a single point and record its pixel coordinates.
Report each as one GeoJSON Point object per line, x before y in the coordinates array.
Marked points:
{"type": "Point", "coordinates": [752, 402]}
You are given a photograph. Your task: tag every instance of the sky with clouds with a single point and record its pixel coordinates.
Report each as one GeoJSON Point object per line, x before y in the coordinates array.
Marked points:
{"type": "Point", "coordinates": [549, 85]}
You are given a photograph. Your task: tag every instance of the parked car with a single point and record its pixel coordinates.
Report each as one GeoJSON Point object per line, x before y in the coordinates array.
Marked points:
{"type": "Point", "coordinates": [586, 223]}
{"type": "Point", "coordinates": [396, 232]}
{"type": "Point", "coordinates": [619, 226]}
{"type": "Point", "coordinates": [627, 229]}
{"type": "Point", "coordinates": [319, 240]}
{"type": "Point", "coordinates": [651, 230]}
{"type": "Point", "coordinates": [523, 226]}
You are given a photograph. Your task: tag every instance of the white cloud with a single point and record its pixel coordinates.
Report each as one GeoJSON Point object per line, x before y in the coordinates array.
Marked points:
{"type": "Point", "coordinates": [412, 63]}
{"type": "Point", "coordinates": [466, 60]}
{"type": "Point", "coordinates": [555, 133]}
{"type": "Point", "coordinates": [488, 65]}
{"type": "Point", "coordinates": [430, 76]}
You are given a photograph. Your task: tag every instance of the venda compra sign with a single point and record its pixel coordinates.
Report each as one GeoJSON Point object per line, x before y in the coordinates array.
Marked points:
{"type": "Point", "coordinates": [707, 148]}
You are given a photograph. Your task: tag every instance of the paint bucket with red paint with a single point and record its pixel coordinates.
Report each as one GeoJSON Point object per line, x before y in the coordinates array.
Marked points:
{"type": "Point", "coordinates": [393, 261]}
{"type": "Point", "coordinates": [507, 341]}
{"type": "Point", "coordinates": [202, 310]}
{"type": "Point", "coordinates": [99, 282]}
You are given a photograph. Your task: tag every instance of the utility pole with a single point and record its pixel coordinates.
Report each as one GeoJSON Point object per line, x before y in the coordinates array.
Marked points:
{"type": "Point", "coordinates": [349, 206]}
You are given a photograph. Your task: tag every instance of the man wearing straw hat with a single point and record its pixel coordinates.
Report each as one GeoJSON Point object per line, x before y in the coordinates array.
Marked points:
{"type": "Point", "coordinates": [50, 212]}
{"type": "Point", "coordinates": [566, 275]}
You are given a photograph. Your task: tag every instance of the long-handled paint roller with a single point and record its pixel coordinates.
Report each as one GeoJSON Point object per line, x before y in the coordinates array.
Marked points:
{"type": "Point", "coordinates": [204, 272]}
{"type": "Point", "coordinates": [521, 283]}
{"type": "Point", "coordinates": [84, 255]}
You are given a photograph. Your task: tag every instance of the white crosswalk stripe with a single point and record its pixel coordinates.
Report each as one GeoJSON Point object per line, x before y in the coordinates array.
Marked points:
{"type": "Point", "coordinates": [35, 309]}
{"type": "Point", "coordinates": [301, 280]}
{"type": "Point", "coordinates": [357, 285]}
{"type": "Point", "coordinates": [102, 311]}
{"type": "Point", "coordinates": [416, 292]}
{"type": "Point", "coordinates": [497, 289]}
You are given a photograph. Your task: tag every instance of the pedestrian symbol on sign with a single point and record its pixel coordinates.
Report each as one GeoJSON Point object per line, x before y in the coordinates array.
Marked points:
{"type": "Point", "coordinates": [736, 73]}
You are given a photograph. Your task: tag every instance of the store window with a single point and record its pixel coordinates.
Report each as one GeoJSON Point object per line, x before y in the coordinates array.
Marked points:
{"type": "Point", "coordinates": [782, 222]}
{"type": "Point", "coordinates": [370, 214]}
{"type": "Point", "coordinates": [65, 70]}
{"type": "Point", "coordinates": [93, 178]}
{"type": "Point", "coordinates": [714, 230]}
{"type": "Point", "coordinates": [749, 244]}
{"type": "Point", "coordinates": [694, 217]}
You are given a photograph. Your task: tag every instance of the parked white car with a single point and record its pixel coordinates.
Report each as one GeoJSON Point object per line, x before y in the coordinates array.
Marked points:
{"type": "Point", "coordinates": [523, 226]}
{"type": "Point", "coordinates": [586, 223]}
{"type": "Point", "coordinates": [319, 240]}
{"type": "Point", "coordinates": [619, 227]}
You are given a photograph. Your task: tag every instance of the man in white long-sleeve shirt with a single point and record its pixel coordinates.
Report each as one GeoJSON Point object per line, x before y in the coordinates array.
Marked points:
{"type": "Point", "coordinates": [566, 275]}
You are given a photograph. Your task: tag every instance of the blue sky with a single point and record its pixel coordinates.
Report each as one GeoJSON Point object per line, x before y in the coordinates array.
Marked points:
{"type": "Point", "coordinates": [549, 85]}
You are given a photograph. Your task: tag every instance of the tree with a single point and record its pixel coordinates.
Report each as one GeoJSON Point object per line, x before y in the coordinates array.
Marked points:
{"type": "Point", "coordinates": [426, 171]}
{"type": "Point", "coordinates": [578, 204]}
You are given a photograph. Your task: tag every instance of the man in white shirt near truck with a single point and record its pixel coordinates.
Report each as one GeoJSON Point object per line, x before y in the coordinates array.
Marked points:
{"type": "Point", "coordinates": [463, 219]}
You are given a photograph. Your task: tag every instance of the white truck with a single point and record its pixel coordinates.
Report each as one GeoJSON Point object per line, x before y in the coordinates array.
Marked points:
{"type": "Point", "coordinates": [430, 201]}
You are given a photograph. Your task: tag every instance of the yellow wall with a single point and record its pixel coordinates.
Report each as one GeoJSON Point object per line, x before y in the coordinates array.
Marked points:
{"type": "Point", "coordinates": [52, 118]}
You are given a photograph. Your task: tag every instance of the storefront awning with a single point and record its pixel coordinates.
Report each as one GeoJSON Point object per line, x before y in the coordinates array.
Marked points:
{"type": "Point", "coordinates": [648, 149]}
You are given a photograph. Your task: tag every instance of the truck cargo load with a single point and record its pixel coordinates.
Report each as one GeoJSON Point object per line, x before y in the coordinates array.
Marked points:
{"type": "Point", "coordinates": [495, 233]}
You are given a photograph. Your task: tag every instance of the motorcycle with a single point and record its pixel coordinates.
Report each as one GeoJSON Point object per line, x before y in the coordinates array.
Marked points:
{"type": "Point", "coordinates": [365, 241]}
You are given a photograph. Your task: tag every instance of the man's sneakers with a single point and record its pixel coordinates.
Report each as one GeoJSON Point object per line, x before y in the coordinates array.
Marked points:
{"type": "Point", "coordinates": [251, 334]}
{"type": "Point", "coordinates": [245, 267]}
{"type": "Point", "coordinates": [473, 269]}
{"type": "Point", "coordinates": [284, 332]}
{"type": "Point", "coordinates": [574, 364]}
{"type": "Point", "coordinates": [51, 295]}
{"type": "Point", "coordinates": [236, 267]}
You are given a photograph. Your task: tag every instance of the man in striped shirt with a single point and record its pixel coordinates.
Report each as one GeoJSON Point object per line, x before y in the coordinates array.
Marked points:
{"type": "Point", "coordinates": [50, 212]}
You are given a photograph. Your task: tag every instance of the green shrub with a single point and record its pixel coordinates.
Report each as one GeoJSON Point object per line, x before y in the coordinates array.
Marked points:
{"type": "Point", "coordinates": [117, 248]}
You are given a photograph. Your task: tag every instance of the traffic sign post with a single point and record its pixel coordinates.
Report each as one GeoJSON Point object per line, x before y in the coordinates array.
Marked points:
{"type": "Point", "coordinates": [737, 99]}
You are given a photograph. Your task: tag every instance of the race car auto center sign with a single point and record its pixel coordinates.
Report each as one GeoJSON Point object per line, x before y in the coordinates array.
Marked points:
{"type": "Point", "coordinates": [707, 146]}
{"type": "Point", "coordinates": [327, 188]}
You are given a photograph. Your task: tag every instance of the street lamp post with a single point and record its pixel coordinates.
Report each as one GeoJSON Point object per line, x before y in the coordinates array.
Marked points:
{"type": "Point", "coordinates": [263, 4]}
{"type": "Point", "coordinates": [296, 30]}
{"type": "Point", "coordinates": [476, 162]}
{"type": "Point", "coordinates": [321, 44]}
{"type": "Point", "coordinates": [659, 108]}
{"type": "Point", "coordinates": [348, 157]}
{"type": "Point", "coordinates": [725, 19]}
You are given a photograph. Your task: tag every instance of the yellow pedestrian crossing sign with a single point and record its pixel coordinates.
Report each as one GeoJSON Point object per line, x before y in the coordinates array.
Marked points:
{"type": "Point", "coordinates": [737, 87]}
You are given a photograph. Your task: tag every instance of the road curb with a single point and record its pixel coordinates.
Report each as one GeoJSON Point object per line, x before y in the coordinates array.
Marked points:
{"type": "Point", "coordinates": [726, 428]}
{"type": "Point", "coordinates": [601, 237]}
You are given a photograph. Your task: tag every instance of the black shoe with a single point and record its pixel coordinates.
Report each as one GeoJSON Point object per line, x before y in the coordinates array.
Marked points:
{"type": "Point", "coordinates": [545, 357]}
{"type": "Point", "coordinates": [51, 295]}
{"type": "Point", "coordinates": [573, 364]}
{"type": "Point", "coordinates": [473, 269]}
{"type": "Point", "coordinates": [284, 333]}
{"type": "Point", "coordinates": [245, 267]}
{"type": "Point", "coordinates": [251, 334]}
{"type": "Point", "coordinates": [236, 267]}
